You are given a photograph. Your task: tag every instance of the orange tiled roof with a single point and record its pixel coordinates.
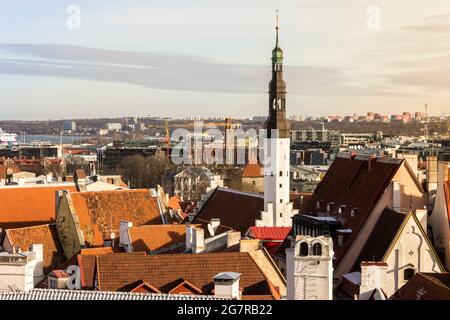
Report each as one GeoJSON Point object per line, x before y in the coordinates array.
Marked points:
{"type": "Point", "coordinates": [156, 237]}
{"type": "Point", "coordinates": [100, 213]}
{"type": "Point", "coordinates": [174, 203]}
{"type": "Point", "coordinates": [252, 170]}
{"type": "Point", "coordinates": [118, 272]}
{"type": "Point", "coordinates": [43, 234]}
{"type": "Point", "coordinates": [28, 206]}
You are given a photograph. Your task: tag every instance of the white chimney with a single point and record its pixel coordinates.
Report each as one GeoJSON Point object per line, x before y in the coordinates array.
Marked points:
{"type": "Point", "coordinates": [124, 235]}
{"type": "Point", "coordinates": [373, 277]}
{"type": "Point", "coordinates": [195, 239]}
{"type": "Point", "coordinates": [38, 250]}
{"type": "Point", "coordinates": [226, 285]}
{"type": "Point", "coordinates": [212, 226]}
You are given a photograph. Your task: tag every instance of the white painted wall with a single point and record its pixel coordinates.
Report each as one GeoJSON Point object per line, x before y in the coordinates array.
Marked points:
{"type": "Point", "coordinates": [411, 249]}
{"type": "Point", "coordinates": [310, 277]}
{"type": "Point", "coordinates": [439, 217]}
{"type": "Point", "coordinates": [278, 210]}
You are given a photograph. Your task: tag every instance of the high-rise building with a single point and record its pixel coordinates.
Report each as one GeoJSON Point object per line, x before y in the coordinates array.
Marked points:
{"type": "Point", "coordinates": [278, 209]}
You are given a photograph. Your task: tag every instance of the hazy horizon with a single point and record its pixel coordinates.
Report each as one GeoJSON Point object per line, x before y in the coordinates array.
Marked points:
{"type": "Point", "coordinates": [192, 58]}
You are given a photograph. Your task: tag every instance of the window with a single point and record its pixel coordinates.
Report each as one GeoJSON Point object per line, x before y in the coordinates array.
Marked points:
{"type": "Point", "coordinates": [281, 185]}
{"type": "Point", "coordinates": [281, 200]}
{"type": "Point", "coordinates": [281, 173]}
{"type": "Point", "coordinates": [408, 273]}
{"type": "Point", "coordinates": [317, 249]}
{"type": "Point", "coordinates": [254, 182]}
{"type": "Point", "coordinates": [304, 249]}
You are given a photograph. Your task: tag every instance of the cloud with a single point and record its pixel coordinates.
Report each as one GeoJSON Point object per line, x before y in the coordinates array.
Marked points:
{"type": "Point", "coordinates": [171, 71]}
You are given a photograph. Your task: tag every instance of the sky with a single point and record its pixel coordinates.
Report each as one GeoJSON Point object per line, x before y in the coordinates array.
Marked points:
{"type": "Point", "coordinates": [92, 58]}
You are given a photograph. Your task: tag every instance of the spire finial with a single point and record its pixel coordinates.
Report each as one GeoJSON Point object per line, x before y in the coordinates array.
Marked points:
{"type": "Point", "coordinates": [277, 27]}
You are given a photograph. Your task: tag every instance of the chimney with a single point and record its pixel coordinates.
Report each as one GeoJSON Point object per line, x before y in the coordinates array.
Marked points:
{"type": "Point", "coordinates": [226, 285]}
{"type": "Point", "coordinates": [38, 250]}
{"type": "Point", "coordinates": [212, 226]}
{"type": "Point", "coordinates": [233, 238]}
{"type": "Point", "coordinates": [373, 277]}
{"type": "Point", "coordinates": [396, 195]}
{"type": "Point", "coordinates": [432, 177]}
{"type": "Point", "coordinates": [124, 235]}
{"type": "Point", "coordinates": [195, 238]}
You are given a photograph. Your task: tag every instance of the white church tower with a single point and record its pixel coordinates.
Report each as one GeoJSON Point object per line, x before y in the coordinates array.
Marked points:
{"type": "Point", "coordinates": [278, 211]}
{"type": "Point", "coordinates": [309, 269]}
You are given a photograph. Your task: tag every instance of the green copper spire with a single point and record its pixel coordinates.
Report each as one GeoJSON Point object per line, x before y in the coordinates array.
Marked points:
{"type": "Point", "coordinates": [277, 53]}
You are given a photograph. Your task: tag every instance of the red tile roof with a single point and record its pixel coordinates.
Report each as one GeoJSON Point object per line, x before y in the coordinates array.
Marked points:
{"type": "Point", "coordinates": [100, 213]}
{"type": "Point", "coordinates": [28, 206]}
{"type": "Point", "coordinates": [252, 171]}
{"type": "Point", "coordinates": [425, 286]}
{"type": "Point", "coordinates": [43, 234]}
{"type": "Point", "coordinates": [235, 209]}
{"type": "Point", "coordinates": [118, 272]}
{"type": "Point", "coordinates": [269, 233]}
{"type": "Point", "coordinates": [349, 182]}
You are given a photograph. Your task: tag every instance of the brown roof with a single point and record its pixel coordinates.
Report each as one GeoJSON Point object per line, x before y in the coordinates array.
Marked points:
{"type": "Point", "coordinates": [157, 237]}
{"type": "Point", "coordinates": [252, 170]}
{"type": "Point", "coordinates": [349, 182]}
{"type": "Point", "coordinates": [28, 206]}
{"type": "Point", "coordinates": [117, 272]}
{"type": "Point", "coordinates": [425, 286]}
{"type": "Point", "coordinates": [235, 209]}
{"type": "Point", "coordinates": [86, 262]}
{"type": "Point", "coordinates": [100, 213]}
{"type": "Point", "coordinates": [381, 237]}
{"type": "Point", "coordinates": [43, 234]}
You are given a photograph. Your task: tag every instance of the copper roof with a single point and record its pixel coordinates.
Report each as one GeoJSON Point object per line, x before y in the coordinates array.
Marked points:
{"type": "Point", "coordinates": [117, 272]}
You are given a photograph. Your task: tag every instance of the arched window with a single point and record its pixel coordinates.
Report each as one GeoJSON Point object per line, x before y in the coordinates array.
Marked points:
{"type": "Point", "coordinates": [317, 249]}
{"type": "Point", "coordinates": [304, 249]}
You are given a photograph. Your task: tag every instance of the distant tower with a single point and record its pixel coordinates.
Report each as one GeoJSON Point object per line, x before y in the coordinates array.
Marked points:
{"type": "Point", "coordinates": [278, 209]}
{"type": "Point", "coordinates": [309, 269]}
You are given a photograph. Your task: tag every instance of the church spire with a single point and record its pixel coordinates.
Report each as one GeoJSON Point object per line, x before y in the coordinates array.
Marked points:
{"type": "Point", "coordinates": [277, 93]}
